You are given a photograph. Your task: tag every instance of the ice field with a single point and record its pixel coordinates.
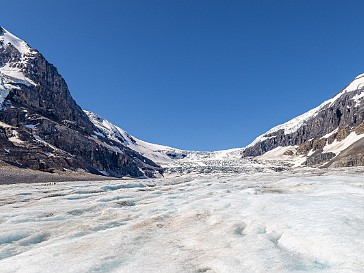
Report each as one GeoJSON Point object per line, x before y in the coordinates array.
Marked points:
{"type": "Point", "coordinates": [306, 221]}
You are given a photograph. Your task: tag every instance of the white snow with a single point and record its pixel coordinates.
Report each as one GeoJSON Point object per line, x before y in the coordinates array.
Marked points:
{"type": "Point", "coordinates": [15, 138]}
{"type": "Point", "coordinates": [18, 43]}
{"type": "Point", "coordinates": [98, 134]}
{"type": "Point", "coordinates": [4, 92]}
{"type": "Point", "coordinates": [357, 99]}
{"type": "Point", "coordinates": [15, 74]}
{"type": "Point", "coordinates": [12, 73]}
{"type": "Point", "coordinates": [5, 87]}
{"type": "Point", "coordinates": [2, 124]}
{"type": "Point", "coordinates": [104, 173]}
{"type": "Point", "coordinates": [39, 139]}
{"type": "Point", "coordinates": [31, 126]}
{"type": "Point", "coordinates": [278, 154]}
{"type": "Point", "coordinates": [115, 148]}
{"type": "Point", "coordinates": [338, 146]}
{"type": "Point", "coordinates": [331, 133]}
{"type": "Point", "coordinates": [309, 221]}
{"type": "Point", "coordinates": [357, 83]}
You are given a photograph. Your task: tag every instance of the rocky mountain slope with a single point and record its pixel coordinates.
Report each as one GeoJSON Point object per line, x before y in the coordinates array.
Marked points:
{"type": "Point", "coordinates": [328, 135]}
{"type": "Point", "coordinates": [42, 127]}
{"type": "Point", "coordinates": [157, 153]}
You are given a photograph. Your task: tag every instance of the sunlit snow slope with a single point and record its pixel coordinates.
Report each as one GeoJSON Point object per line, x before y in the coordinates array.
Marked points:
{"type": "Point", "coordinates": [11, 72]}
{"type": "Point", "coordinates": [157, 153]}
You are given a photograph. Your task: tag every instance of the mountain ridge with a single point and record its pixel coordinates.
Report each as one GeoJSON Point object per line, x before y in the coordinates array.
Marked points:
{"type": "Point", "coordinates": [321, 134]}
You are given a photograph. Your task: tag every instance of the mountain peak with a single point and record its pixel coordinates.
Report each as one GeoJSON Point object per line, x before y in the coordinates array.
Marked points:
{"type": "Point", "coordinates": [19, 44]}
{"type": "Point", "coordinates": [15, 66]}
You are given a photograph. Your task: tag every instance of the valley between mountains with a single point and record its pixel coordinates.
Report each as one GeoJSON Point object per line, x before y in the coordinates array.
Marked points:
{"type": "Point", "coordinates": [291, 201]}
{"type": "Point", "coordinates": [43, 128]}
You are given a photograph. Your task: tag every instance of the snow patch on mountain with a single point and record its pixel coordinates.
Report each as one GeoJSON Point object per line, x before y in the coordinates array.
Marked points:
{"type": "Point", "coordinates": [331, 133]}
{"type": "Point", "coordinates": [8, 83]}
{"type": "Point", "coordinates": [357, 83]}
{"type": "Point", "coordinates": [8, 38]}
{"type": "Point", "coordinates": [337, 147]}
{"type": "Point", "coordinates": [4, 91]}
{"type": "Point", "coordinates": [287, 154]}
{"type": "Point", "coordinates": [12, 71]}
{"type": "Point", "coordinates": [358, 98]}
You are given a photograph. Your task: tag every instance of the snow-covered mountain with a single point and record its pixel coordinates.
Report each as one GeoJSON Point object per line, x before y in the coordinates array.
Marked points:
{"type": "Point", "coordinates": [43, 128]}
{"type": "Point", "coordinates": [324, 135]}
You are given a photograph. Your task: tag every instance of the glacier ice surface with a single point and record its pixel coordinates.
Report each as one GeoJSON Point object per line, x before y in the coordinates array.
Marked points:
{"type": "Point", "coordinates": [298, 221]}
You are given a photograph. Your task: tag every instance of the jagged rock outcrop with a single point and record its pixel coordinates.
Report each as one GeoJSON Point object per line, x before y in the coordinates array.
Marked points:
{"type": "Point", "coordinates": [42, 127]}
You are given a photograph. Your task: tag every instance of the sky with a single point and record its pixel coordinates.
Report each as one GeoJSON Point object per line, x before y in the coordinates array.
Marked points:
{"type": "Point", "coordinates": [196, 74]}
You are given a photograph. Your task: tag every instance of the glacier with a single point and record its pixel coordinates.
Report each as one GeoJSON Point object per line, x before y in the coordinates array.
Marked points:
{"type": "Point", "coordinates": [303, 220]}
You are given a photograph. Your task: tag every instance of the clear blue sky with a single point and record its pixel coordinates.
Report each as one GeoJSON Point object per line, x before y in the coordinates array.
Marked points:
{"type": "Point", "coordinates": [202, 75]}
